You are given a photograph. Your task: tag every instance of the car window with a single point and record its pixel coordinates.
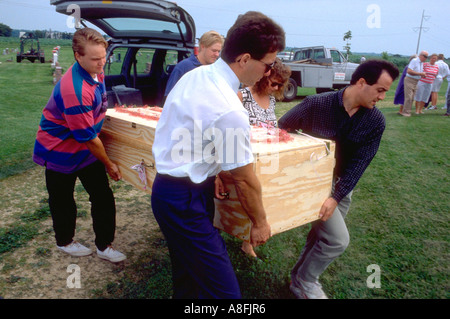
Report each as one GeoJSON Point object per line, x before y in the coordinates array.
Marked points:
{"type": "Point", "coordinates": [115, 61]}
{"type": "Point", "coordinates": [144, 57]}
{"type": "Point", "coordinates": [303, 54]}
{"type": "Point", "coordinates": [306, 54]}
{"type": "Point", "coordinates": [336, 56]}
{"type": "Point", "coordinates": [131, 24]}
{"type": "Point", "coordinates": [318, 54]}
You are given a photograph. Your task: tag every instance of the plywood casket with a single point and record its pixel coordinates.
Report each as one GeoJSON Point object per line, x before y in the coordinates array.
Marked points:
{"type": "Point", "coordinates": [295, 171]}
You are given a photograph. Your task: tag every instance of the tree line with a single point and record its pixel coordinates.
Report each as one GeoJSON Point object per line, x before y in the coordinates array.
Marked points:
{"type": "Point", "coordinates": [6, 31]}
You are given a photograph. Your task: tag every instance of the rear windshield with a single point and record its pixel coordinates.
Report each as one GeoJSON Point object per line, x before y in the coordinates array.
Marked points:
{"type": "Point", "coordinates": [130, 24]}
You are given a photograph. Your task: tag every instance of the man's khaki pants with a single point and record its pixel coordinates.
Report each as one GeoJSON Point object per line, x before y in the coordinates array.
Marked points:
{"type": "Point", "coordinates": [410, 91]}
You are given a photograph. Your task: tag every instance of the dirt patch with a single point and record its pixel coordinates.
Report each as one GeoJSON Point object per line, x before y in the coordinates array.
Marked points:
{"type": "Point", "coordinates": [38, 270]}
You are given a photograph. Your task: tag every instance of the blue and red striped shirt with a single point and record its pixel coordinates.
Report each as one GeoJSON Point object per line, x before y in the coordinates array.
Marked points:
{"type": "Point", "coordinates": [73, 115]}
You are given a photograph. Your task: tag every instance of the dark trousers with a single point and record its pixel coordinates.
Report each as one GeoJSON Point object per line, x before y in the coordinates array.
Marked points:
{"type": "Point", "coordinates": [64, 210]}
{"type": "Point", "coordinates": [201, 268]}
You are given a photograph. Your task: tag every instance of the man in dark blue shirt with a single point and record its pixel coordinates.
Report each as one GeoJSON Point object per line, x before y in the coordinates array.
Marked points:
{"type": "Point", "coordinates": [350, 118]}
{"type": "Point", "coordinates": [210, 45]}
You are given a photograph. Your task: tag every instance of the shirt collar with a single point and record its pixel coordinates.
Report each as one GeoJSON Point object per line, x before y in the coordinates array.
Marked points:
{"type": "Point", "coordinates": [227, 73]}
{"type": "Point", "coordinates": [195, 60]}
{"type": "Point", "coordinates": [85, 75]}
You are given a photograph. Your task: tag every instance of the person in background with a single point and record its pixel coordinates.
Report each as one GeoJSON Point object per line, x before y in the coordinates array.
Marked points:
{"type": "Point", "coordinates": [447, 93]}
{"type": "Point", "coordinates": [350, 118]}
{"type": "Point", "coordinates": [447, 104]}
{"type": "Point", "coordinates": [423, 92]}
{"type": "Point", "coordinates": [68, 146]}
{"type": "Point", "coordinates": [210, 45]}
{"type": "Point", "coordinates": [399, 97]}
{"type": "Point", "coordinates": [204, 104]}
{"type": "Point", "coordinates": [436, 87]}
{"type": "Point", "coordinates": [413, 74]}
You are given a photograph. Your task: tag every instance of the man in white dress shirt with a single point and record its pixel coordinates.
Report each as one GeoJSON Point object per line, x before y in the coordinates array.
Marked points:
{"type": "Point", "coordinates": [413, 75]}
{"type": "Point", "coordinates": [204, 130]}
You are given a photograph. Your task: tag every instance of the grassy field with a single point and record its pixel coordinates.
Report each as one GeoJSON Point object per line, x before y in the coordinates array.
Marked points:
{"type": "Point", "coordinates": [398, 219]}
{"type": "Point", "coordinates": [25, 88]}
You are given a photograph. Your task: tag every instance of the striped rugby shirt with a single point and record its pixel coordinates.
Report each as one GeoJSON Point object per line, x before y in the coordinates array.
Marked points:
{"type": "Point", "coordinates": [73, 115]}
{"type": "Point", "coordinates": [357, 138]}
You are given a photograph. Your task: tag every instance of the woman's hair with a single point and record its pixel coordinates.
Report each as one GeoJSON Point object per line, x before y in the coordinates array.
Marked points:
{"type": "Point", "coordinates": [253, 33]}
{"type": "Point", "coordinates": [280, 73]}
{"type": "Point", "coordinates": [84, 36]}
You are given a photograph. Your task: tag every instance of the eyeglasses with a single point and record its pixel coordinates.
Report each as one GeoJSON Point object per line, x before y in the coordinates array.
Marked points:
{"type": "Point", "coordinates": [268, 66]}
{"type": "Point", "coordinates": [274, 84]}
{"type": "Point", "coordinates": [425, 56]}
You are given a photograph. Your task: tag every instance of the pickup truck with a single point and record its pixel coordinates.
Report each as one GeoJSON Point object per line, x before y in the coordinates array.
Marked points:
{"type": "Point", "coordinates": [318, 67]}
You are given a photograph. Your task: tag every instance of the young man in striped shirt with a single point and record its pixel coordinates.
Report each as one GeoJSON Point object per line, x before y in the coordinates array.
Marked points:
{"type": "Point", "coordinates": [68, 146]}
{"type": "Point", "coordinates": [423, 92]}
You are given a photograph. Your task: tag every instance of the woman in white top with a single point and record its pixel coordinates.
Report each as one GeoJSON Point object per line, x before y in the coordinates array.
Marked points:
{"type": "Point", "coordinates": [259, 101]}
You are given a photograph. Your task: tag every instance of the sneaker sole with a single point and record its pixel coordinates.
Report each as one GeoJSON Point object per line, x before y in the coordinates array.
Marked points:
{"type": "Point", "coordinates": [113, 260]}
{"type": "Point", "coordinates": [79, 254]}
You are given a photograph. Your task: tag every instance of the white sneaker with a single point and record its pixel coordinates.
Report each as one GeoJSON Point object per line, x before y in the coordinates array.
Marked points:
{"type": "Point", "coordinates": [433, 107]}
{"type": "Point", "coordinates": [75, 249]}
{"type": "Point", "coordinates": [308, 290]}
{"type": "Point", "coordinates": [111, 255]}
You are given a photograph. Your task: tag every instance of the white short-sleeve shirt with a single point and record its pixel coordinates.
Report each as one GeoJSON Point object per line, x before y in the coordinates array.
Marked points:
{"type": "Point", "coordinates": [443, 69]}
{"type": "Point", "coordinates": [415, 65]}
{"type": "Point", "coordinates": [203, 127]}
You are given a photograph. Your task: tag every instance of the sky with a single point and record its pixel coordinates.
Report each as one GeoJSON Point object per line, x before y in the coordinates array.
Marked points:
{"type": "Point", "coordinates": [377, 26]}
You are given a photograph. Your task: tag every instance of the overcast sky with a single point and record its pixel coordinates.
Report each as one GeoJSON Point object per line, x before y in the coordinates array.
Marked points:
{"type": "Point", "coordinates": [376, 25]}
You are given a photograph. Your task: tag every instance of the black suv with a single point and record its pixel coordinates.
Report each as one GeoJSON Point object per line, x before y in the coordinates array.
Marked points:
{"type": "Point", "coordinates": [148, 37]}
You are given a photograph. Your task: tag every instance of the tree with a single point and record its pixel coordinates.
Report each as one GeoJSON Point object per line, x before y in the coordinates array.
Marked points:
{"type": "Point", "coordinates": [5, 30]}
{"type": "Point", "coordinates": [347, 37]}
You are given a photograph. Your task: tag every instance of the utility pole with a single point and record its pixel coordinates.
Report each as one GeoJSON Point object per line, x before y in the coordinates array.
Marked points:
{"type": "Point", "coordinates": [420, 29]}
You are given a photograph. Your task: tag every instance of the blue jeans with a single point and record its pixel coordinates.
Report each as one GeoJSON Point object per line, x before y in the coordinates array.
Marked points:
{"type": "Point", "coordinates": [326, 241]}
{"type": "Point", "coordinates": [64, 209]}
{"type": "Point", "coordinates": [201, 268]}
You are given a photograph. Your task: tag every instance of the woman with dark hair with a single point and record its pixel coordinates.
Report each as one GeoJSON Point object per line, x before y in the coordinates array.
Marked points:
{"type": "Point", "coordinates": [259, 100]}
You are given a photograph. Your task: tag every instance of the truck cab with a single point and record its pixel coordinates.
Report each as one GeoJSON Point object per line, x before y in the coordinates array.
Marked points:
{"type": "Point", "coordinates": [318, 67]}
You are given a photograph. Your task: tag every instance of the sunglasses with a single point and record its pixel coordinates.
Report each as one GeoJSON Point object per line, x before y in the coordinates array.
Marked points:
{"type": "Point", "coordinates": [274, 84]}
{"type": "Point", "coordinates": [268, 66]}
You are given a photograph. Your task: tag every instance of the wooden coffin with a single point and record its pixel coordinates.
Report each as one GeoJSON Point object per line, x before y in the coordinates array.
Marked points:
{"type": "Point", "coordinates": [296, 178]}
{"type": "Point", "coordinates": [128, 138]}
{"type": "Point", "coordinates": [295, 171]}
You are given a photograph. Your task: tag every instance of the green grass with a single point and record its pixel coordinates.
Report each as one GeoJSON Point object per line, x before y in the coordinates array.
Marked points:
{"type": "Point", "coordinates": [23, 230]}
{"type": "Point", "coordinates": [398, 218]}
{"type": "Point", "coordinates": [25, 89]}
